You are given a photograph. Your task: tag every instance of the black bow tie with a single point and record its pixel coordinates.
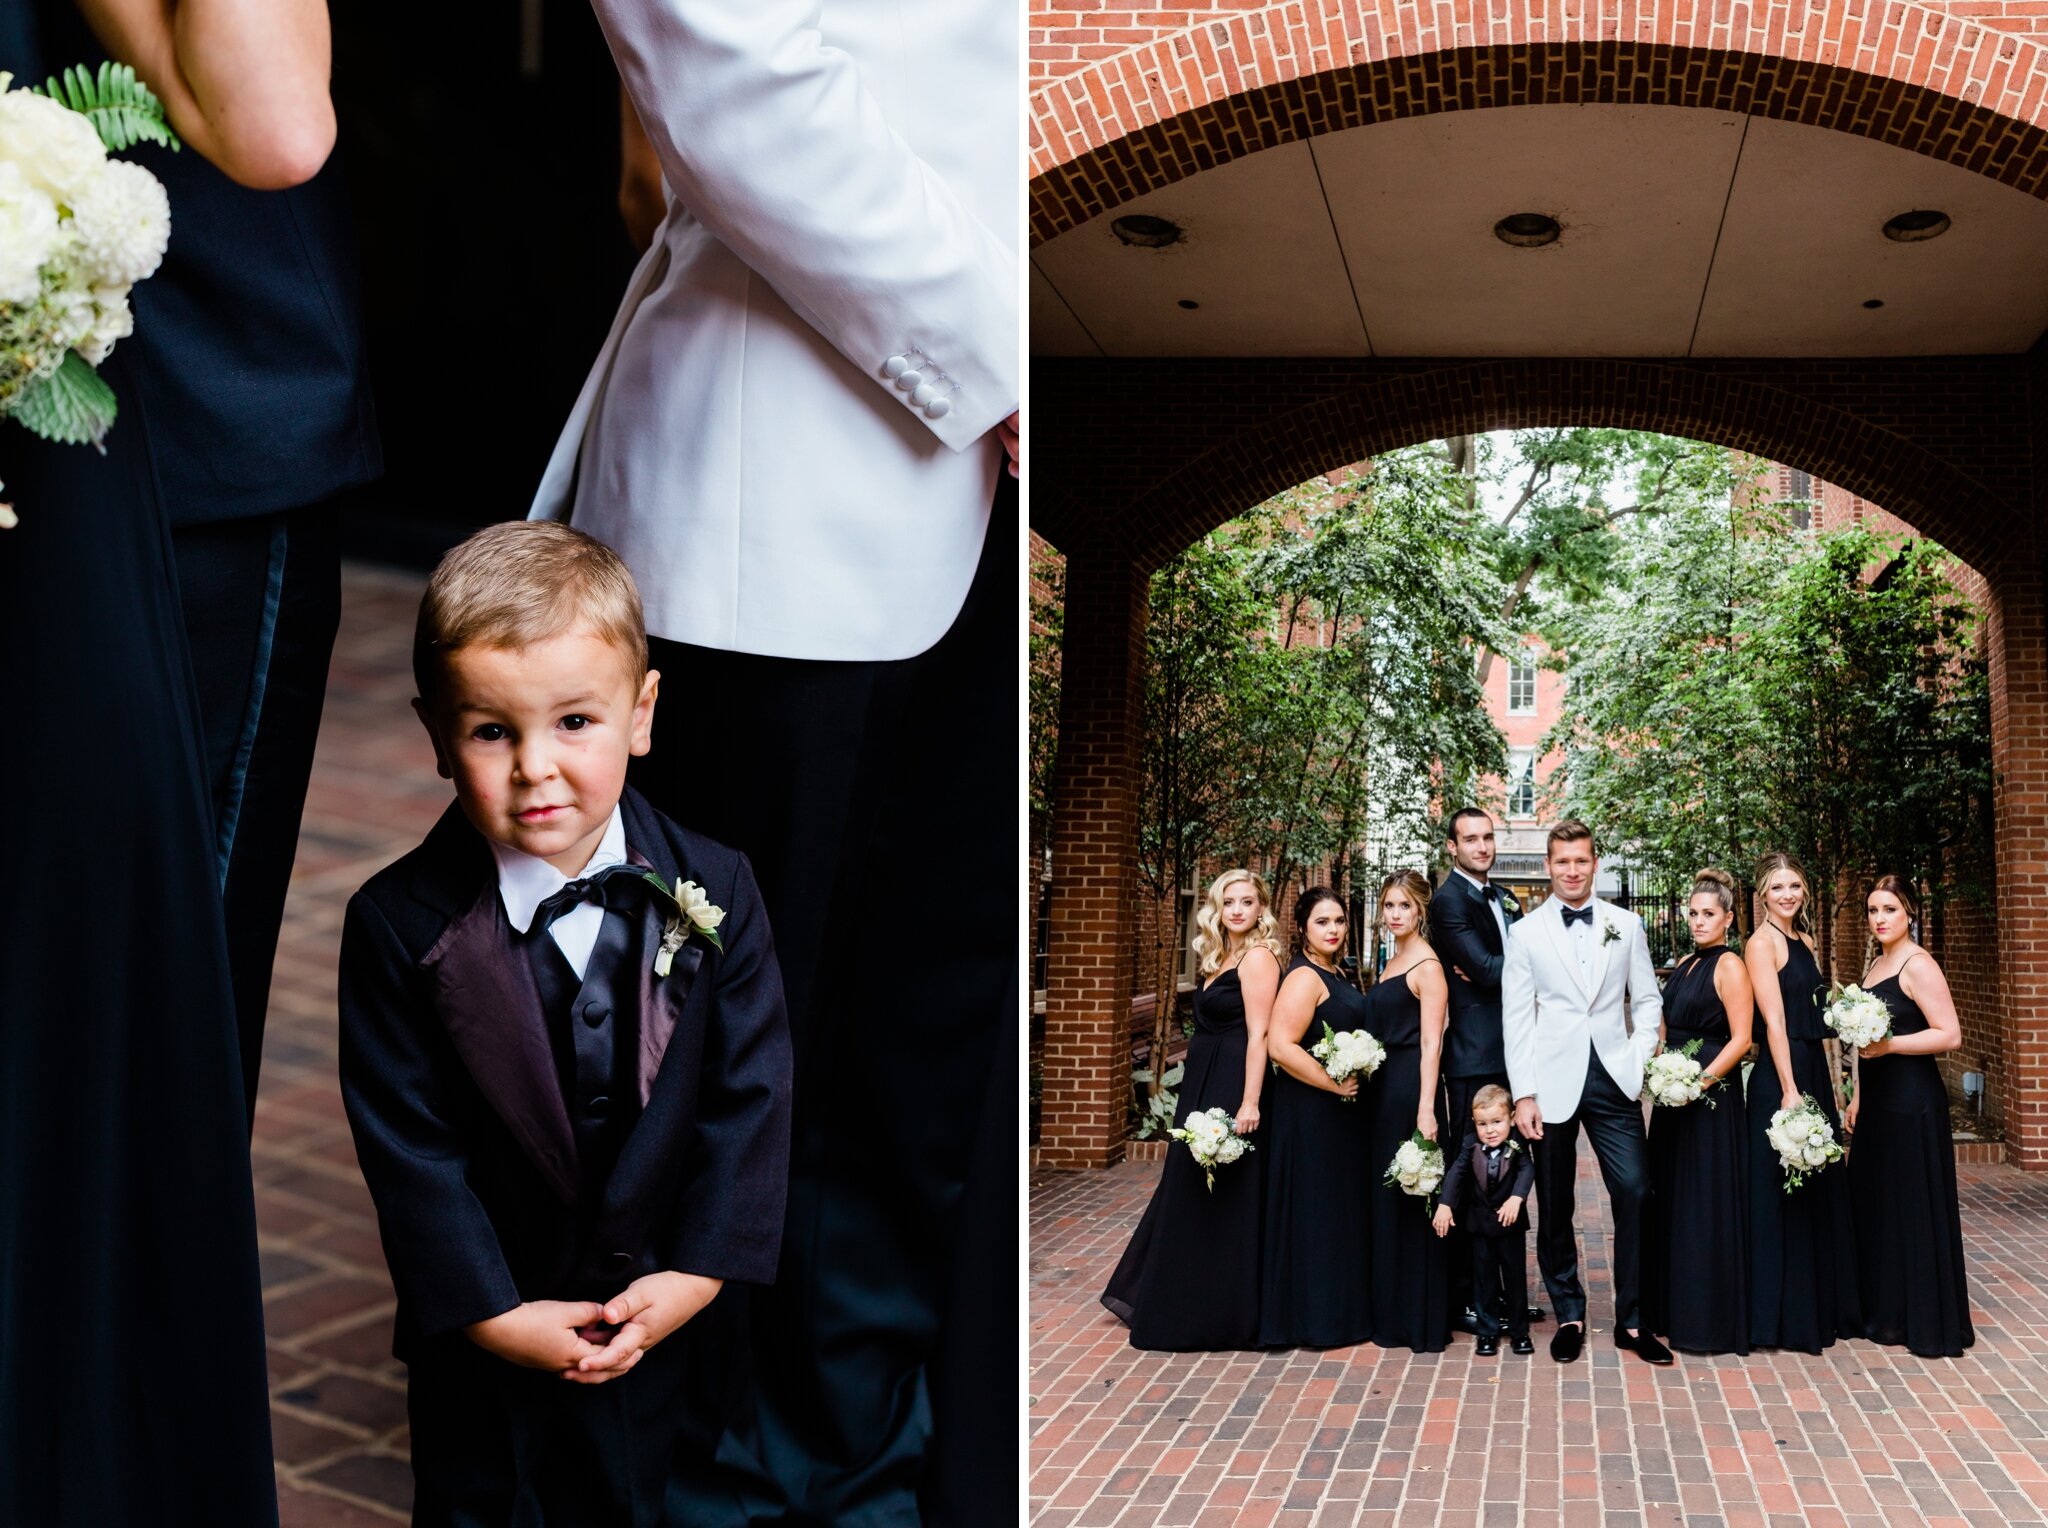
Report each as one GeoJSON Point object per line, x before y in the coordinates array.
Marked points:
{"type": "Point", "coordinates": [1579, 915]}
{"type": "Point", "coordinates": [610, 887]}
{"type": "Point", "coordinates": [1490, 892]}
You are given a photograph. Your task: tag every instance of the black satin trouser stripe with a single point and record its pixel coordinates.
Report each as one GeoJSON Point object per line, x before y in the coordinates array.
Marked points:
{"type": "Point", "coordinates": [261, 601]}
{"type": "Point", "coordinates": [1613, 1123]}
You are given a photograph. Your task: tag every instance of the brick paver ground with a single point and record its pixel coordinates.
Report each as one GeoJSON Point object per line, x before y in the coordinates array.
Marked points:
{"type": "Point", "coordinates": [1862, 1435]}
{"type": "Point", "coordinates": [337, 1396]}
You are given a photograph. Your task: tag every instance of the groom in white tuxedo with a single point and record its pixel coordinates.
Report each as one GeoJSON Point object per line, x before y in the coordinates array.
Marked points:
{"type": "Point", "coordinates": [798, 435]}
{"type": "Point", "coordinates": [1580, 1015]}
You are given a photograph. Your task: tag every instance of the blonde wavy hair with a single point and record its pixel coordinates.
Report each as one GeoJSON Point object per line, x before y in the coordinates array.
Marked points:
{"type": "Point", "coordinates": [1416, 884]}
{"type": "Point", "coordinates": [1760, 910]}
{"type": "Point", "coordinates": [1211, 944]}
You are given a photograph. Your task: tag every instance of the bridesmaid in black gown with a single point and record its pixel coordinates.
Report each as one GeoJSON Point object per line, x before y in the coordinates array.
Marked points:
{"type": "Point", "coordinates": [1802, 1250]}
{"type": "Point", "coordinates": [1902, 1162]}
{"type": "Point", "coordinates": [1696, 1224]}
{"type": "Point", "coordinates": [1313, 1286]}
{"type": "Point", "coordinates": [1410, 1296]}
{"type": "Point", "coordinates": [1189, 1280]}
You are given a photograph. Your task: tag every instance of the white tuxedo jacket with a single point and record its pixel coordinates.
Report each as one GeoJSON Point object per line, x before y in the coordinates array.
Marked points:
{"type": "Point", "coordinates": [844, 197]}
{"type": "Point", "coordinates": [1549, 1012]}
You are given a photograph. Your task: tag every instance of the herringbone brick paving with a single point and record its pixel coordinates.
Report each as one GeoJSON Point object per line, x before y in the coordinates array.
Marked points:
{"type": "Point", "coordinates": [1861, 1435]}
{"type": "Point", "coordinates": [337, 1395]}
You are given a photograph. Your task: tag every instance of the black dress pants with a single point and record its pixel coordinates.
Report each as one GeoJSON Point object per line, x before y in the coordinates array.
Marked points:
{"type": "Point", "coordinates": [261, 599]}
{"type": "Point", "coordinates": [877, 802]}
{"type": "Point", "coordinates": [1500, 1283]}
{"type": "Point", "coordinates": [1613, 1122]}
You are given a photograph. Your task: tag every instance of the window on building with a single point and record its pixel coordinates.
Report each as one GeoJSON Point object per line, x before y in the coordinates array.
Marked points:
{"type": "Point", "coordinates": [1799, 497]}
{"type": "Point", "coordinates": [1521, 782]}
{"type": "Point", "coordinates": [1522, 684]}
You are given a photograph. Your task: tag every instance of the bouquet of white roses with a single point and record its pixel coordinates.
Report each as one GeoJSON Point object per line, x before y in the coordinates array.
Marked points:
{"type": "Point", "coordinates": [1353, 1053]}
{"type": "Point", "coordinates": [1804, 1140]}
{"type": "Point", "coordinates": [1673, 1078]}
{"type": "Point", "coordinates": [1857, 1017]}
{"type": "Point", "coordinates": [77, 231]}
{"type": "Point", "coordinates": [1417, 1168]}
{"type": "Point", "coordinates": [1212, 1140]}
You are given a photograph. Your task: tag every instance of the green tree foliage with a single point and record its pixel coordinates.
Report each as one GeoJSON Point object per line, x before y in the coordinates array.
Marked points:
{"type": "Point", "coordinates": [1048, 630]}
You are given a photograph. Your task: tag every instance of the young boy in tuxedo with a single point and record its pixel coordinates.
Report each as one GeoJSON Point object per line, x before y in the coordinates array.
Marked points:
{"type": "Point", "coordinates": [1486, 1186]}
{"type": "Point", "coordinates": [565, 1059]}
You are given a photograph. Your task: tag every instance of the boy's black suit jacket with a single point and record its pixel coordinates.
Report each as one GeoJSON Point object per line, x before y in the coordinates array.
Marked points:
{"type": "Point", "coordinates": [1474, 1201]}
{"type": "Point", "coordinates": [1462, 929]}
{"type": "Point", "coordinates": [459, 1121]}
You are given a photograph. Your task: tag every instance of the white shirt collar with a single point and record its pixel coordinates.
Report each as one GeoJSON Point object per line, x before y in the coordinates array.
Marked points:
{"type": "Point", "coordinates": [524, 881]}
{"type": "Point", "coordinates": [1577, 907]}
{"type": "Point", "coordinates": [1468, 875]}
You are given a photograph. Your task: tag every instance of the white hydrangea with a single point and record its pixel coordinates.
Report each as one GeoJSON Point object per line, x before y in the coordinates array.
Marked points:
{"type": "Point", "coordinates": [1803, 1140]}
{"type": "Point", "coordinates": [1212, 1140]}
{"type": "Point", "coordinates": [1859, 1018]}
{"type": "Point", "coordinates": [28, 233]}
{"type": "Point", "coordinates": [57, 149]}
{"type": "Point", "coordinates": [1674, 1078]}
{"type": "Point", "coordinates": [1353, 1053]}
{"type": "Point", "coordinates": [1417, 1168]}
{"type": "Point", "coordinates": [123, 221]}
{"type": "Point", "coordinates": [113, 320]}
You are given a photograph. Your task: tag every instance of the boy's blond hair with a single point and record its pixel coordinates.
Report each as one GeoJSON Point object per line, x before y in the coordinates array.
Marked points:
{"type": "Point", "coordinates": [1492, 1096]}
{"type": "Point", "coordinates": [521, 582]}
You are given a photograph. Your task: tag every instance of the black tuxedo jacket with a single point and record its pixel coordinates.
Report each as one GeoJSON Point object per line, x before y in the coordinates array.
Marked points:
{"type": "Point", "coordinates": [1465, 935]}
{"type": "Point", "coordinates": [456, 1104]}
{"type": "Point", "coordinates": [1475, 1201]}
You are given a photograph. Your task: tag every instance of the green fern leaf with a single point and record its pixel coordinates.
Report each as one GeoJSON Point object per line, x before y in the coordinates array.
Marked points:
{"type": "Point", "coordinates": [72, 405]}
{"type": "Point", "coordinates": [122, 110]}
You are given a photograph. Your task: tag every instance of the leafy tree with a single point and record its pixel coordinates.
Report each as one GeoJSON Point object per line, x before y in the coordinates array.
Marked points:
{"type": "Point", "coordinates": [1047, 631]}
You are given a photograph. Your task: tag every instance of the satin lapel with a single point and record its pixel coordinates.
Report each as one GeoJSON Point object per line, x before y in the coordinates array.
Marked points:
{"type": "Point", "coordinates": [1561, 939]}
{"type": "Point", "coordinates": [661, 998]}
{"type": "Point", "coordinates": [1601, 945]}
{"type": "Point", "coordinates": [484, 993]}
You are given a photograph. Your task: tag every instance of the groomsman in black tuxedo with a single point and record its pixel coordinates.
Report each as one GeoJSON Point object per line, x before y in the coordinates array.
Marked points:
{"type": "Point", "coordinates": [1469, 920]}
{"type": "Point", "coordinates": [245, 380]}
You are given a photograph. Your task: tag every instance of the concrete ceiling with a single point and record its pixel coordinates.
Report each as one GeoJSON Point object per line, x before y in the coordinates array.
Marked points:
{"type": "Point", "coordinates": [1685, 233]}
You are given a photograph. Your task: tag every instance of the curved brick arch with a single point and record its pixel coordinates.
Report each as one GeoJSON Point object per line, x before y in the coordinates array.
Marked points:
{"type": "Point", "coordinates": [1904, 74]}
{"type": "Point", "coordinates": [1284, 449]}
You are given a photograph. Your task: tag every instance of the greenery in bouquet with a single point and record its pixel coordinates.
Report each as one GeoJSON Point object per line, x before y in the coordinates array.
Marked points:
{"type": "Point", "coordinates": [77, 231]}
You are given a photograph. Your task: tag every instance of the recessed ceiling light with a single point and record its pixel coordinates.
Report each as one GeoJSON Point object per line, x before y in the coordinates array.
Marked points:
{"type": "Point", "coordinates": [1912, 227]}
{"type": "Point", "coordinates": [1142, 231]}
{"type": "Point", "coordinates": [1875, 302]}
{"type": "Point", "coordinates": [1189, 303]}
{"type": "Point", "coordinates": [1527, 230]}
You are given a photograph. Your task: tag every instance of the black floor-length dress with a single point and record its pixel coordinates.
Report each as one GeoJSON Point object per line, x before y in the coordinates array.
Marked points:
{"type": "Point", "coordinates": [1189, 1280]}
{"type": "Point", "coordinates": [1314, 1284]}
{"type": "Point", "coordinates": [132, 1374]}
{"type": "Point", "coordinates": [1411, 1305]}
{"type": "Point", "coordinates": [1802, 1249]}
{"type": "Point", "coordinates": [1902, 1181]}
{"type": "Point", "coordinates": [1696, 1223]}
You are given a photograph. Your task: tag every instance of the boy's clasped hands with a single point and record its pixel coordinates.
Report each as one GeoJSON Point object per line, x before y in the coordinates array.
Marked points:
{"type": "Point", "coordinates": [587, 1343]}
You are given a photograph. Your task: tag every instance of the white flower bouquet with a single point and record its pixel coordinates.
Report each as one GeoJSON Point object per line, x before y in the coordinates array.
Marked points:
{"type": "Point", "coordinates": [1857, 1017]}
{"type": "Point", "coordinates": [1804, 1140]}
{"type": "Point", "coordinates": [1352, 1053]}
{"type": "Point", "coordinates": [1673, 1078]}
{"type": "Point", "coordinates": [77, 231]}
{"type": "Point", "coordinates": [1212, 1141]}
{"type": "Point", "coordinates": [1417, 1168]}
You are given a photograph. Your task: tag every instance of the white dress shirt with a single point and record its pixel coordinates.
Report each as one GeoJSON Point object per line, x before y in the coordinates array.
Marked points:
{"type": "Point", "coordinates": [1581, 934]}
{"type": "Point", "coordinates": [524, 882]}
{"type": "Point", "coordinates": [1500, 916]}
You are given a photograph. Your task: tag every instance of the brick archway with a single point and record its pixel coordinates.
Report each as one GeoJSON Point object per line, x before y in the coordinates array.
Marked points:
{"type": "Point", "coordinates": [1182, 101]}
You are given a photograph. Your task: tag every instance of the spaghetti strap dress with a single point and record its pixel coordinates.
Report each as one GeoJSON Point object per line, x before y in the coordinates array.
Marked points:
{"type": "Point", "coordinates": [1313, 1289]}
{"type": "Point", "coordinates": [1696, 1224]}
{"type": "Point", "coordinates": [1902, 1182]}
{"type": "Point", "coordinates": [1802, 1250]}
{"type": "Point", "coordinates": [1189, 1280]}
{"type": "Point", "coordinates": [1411, 1305]}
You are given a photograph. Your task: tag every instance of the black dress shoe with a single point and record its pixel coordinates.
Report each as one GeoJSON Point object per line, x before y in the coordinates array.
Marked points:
{"type": "Point", "coordinates": [1486, 1347]}
{"type": "Point", "coordinates": [1644, 1346]}
{"type": "Point", "coordinates": [1538, 1313]}
{"type": "Point", "coordinates": [1567, 1342]}
{"type": "Point", "coordinates": [1522, 1345]}
{"type": "Point", "coordinates": [1468, 1321]}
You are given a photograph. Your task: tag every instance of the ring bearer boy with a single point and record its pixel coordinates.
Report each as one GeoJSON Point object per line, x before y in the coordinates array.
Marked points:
{"type": "Point", "coordinates": [565, 1058]}
{"type": "Point", "coordinates": [1485, 1193]}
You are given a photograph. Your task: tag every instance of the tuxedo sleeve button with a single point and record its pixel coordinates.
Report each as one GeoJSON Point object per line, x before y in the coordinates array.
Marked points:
{"type": "Point", "coordinates": [909, 379]}
{"type": "Point", "coordinates": [938, 408]}
{"type": "Point", "coordinates": [895, 366]}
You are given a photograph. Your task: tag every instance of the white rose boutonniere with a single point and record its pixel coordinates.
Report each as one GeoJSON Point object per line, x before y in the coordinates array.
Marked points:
{"type": "Point", "coordinates": [694, 913]}
{"type": "Point", "coordinates": [1609, 933]}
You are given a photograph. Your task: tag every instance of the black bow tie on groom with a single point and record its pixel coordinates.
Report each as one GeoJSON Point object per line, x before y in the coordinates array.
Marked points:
{"type": "Point", "coordinates": [1579, 915]}
{"type": "Point", "coordinates": [1490, 891]}
{"type": "Point", "coordinates": [613, 887]}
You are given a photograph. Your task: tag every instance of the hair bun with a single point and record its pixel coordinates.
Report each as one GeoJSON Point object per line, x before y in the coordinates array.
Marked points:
{"type": "Point", "coordinates": [1719, 877]}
